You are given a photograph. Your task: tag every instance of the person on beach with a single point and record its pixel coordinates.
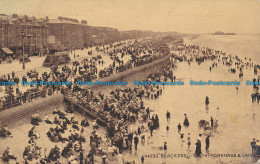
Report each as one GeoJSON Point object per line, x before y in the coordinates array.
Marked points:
{"type": "Point", "coordinates": [168, 116]}
{"type": "Point", "coordinates": [186, 121]}
{"type": "Point", "coordinates": [81, 158]}
{"type": "Point", "coordinates": [136, 140]}
{"type": "Point", "coordinates": [207, 100]}
{"type": "Point", "coordinates": [7, 155]}
{"type": "Point", "coordinates": [253, 143]}
{"type": "Point", "coordinates": [139, 130]}
{"type": "Point", "coordinates": [182, 136]}
{"type": "Point", "coordinates": [142, 159]}
{"type": "Point", "coordinates": [188, 141]}
{"type": "Point", "coordinates": [179, 127]}
{"type": "Point", "coordinates": [151, 130]}
{"type": "Point", "coordinates": [167, 128]}
{"type": "Point", "coordinates": [165, 146]}
{"type": "Point", "coordinates": [198, 148]}
{"type": "Point", "coordinates": [207, 142]}
{"type": "Point", "coordinates": [211, 122]}
{"type": "Point", "coordinates": [148, 112]}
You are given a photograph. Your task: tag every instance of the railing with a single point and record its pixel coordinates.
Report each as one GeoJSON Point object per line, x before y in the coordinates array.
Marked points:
{"type": "Point", "coordinates": [13, 101]}
{"type": "Point", "coordinates": [77, 101]}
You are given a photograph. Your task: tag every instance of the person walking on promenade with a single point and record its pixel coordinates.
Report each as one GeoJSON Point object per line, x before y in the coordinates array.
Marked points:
{"type": "Point", "coordinates": [207, 142]}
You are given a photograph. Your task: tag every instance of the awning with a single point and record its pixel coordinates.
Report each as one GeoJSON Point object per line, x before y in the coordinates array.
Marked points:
{"type": "Point", "coordinates": [7, 50]}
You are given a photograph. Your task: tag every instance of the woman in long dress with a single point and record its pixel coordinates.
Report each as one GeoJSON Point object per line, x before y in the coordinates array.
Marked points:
{"type": "Point", "coordinates": [186, 121]}
{"type": "Point", "coordinates": [198, 148]}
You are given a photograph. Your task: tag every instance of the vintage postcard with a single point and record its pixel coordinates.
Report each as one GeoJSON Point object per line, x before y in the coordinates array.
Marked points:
{"type": "Point", "coordinates": [129, 81]}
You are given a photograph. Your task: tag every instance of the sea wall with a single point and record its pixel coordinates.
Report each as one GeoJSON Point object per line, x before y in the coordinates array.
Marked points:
{"type": "Point", "coordinates": [12, 116]}
{"type": "Point", "coordinates": [136, 73]}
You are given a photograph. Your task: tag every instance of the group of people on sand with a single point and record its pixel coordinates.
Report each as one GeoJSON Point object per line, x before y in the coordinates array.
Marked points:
{"type": "Point", "coordinates": [5, 132]}
{"type": "Point", "coordinates": [186, 124]}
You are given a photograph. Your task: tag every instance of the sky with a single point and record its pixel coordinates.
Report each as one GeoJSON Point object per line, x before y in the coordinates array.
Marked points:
{"type": "Point", "coordinates": [185, 16]}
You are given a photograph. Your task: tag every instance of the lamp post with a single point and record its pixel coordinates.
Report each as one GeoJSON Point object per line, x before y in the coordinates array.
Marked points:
{"type": "Point", "coordinates": [74, 44]}
{"type": "Point", "coordinates": [23, 35]}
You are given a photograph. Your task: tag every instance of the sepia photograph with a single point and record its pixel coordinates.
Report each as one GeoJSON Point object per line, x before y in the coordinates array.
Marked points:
{"type": "Point", "coordinates": [129, 81]}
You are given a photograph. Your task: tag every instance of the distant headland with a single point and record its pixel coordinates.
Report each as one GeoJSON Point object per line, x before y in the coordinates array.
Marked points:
{"type": "Point", "coordinates": [222, 33]}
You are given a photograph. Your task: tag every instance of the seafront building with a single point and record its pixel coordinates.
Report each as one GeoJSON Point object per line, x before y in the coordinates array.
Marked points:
{"type": "Point", "coordinates": [18, 30]}
{"type": "Point", "coordinates": [39, 35]}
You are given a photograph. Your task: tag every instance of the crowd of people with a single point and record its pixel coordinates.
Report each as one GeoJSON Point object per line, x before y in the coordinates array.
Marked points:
{"type": "Point", "coordinates": [141, 53]}
{"type": "Point", "coordinates": [118, 109]}
{"type": "Point", "coordinates": [235, 65]}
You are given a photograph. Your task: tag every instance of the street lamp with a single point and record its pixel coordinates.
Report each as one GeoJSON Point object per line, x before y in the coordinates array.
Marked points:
{"type": "Point", "coordinates": [23, 35]}
{"type": "Point", "coordinates": [74, 44]}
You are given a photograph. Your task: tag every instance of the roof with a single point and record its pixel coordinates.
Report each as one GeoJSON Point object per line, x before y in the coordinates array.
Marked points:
{"type": "Point", "coordinates": [17, 22]}
{"type": "Point", "coordinates": [57, 21]}
{"type": "Point", "coordinates": [7, 50]}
